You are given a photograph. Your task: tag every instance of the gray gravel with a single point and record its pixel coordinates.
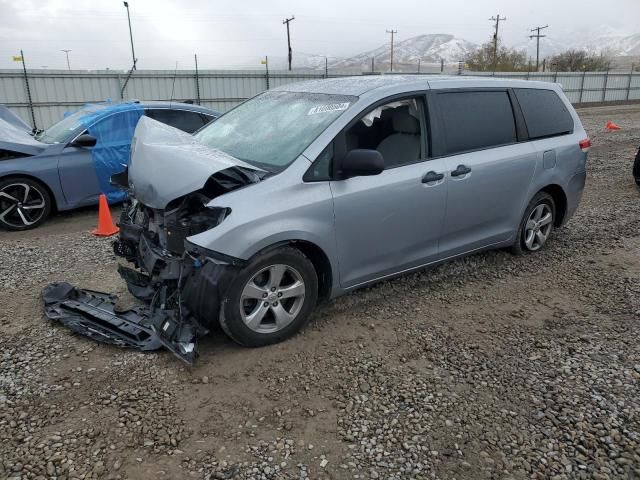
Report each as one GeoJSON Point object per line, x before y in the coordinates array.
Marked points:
{"type": "Point", "coordinates": [492, 366]}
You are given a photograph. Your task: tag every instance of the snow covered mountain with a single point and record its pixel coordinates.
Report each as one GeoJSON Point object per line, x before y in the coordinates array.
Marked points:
{"type": "Point", "coordinates": [628, 45]}
{"type": "Point", "coordinates": [604, 39]}
{"type": "Point", "coordinates": [429, 48]}
{"type": "Point", "coordinates": [548, 47]}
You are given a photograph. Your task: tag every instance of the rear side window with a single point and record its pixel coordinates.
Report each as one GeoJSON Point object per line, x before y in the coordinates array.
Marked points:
{"type": "Point", "coordinates": [544, 113]}
{"type": "Point", "coordinates": [184, 120]}
{"type": "Point", "coordinates": [206, 118]}
{"type": "Point", "coordinates": [476, 120]}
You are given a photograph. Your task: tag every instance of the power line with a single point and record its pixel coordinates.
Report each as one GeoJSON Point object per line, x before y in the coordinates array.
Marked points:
{"type": "Point", "coordinates": [392, 32]}
{"type": "Point", "coordinates": [537, 36]}
{"type": "Point", "coordinates": [286, 21]}
{"type": "Point", "coordinates": [495, 39]}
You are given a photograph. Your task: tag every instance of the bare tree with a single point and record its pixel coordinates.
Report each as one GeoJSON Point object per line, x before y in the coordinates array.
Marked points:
{"type": "Point", "coordinates": [578, 61]}
{"type": "Point", "coordinates": [507, 59]}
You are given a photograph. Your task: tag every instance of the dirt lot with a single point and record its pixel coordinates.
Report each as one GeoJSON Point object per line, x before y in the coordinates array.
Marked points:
{"type": "Point", "coordinates": [493, 366]}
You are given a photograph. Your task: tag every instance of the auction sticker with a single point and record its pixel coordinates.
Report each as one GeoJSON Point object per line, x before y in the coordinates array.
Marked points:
{"type": "Point", "coordinates": [332, 107]}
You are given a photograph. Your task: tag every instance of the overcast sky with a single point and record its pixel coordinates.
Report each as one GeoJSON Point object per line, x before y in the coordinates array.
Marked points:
{"type": "Point", "coordinates": [238, 33]}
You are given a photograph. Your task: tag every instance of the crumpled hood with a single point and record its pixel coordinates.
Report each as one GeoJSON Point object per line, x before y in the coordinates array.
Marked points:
{"type": "Point", "coordinates": [167, 163]}
{"type": "Point", "coordinates": [18, 140]}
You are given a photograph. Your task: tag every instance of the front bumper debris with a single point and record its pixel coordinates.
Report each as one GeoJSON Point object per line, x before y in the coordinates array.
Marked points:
{"type": "Point", "coordinates": [181, 286]}
{"type": "Point", "coordinates": [95, 315]}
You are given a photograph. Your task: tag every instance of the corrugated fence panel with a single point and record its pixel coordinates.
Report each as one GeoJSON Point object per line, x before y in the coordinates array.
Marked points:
{"type": "Point", "coordinates": [57, 91]}
{"type": "Point", "coordinates": [634, 92]}
{"type": "Point", "coordinates": [616, 88]}
{"type": "Point", "coordinates": [12, 89]}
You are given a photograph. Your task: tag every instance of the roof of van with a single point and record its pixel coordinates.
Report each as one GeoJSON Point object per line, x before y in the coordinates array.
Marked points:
{"type": "Point", "coordinates": [358, 85]}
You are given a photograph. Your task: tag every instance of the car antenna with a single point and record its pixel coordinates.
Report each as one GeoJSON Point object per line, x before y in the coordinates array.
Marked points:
{"type": "Point", "coordinates": [173, 85]}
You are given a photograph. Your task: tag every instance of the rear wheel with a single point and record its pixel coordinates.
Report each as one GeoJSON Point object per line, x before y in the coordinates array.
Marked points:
{"type": "Point", "coordinates": [536, 225]}
{"type": "Point", "coordinates": [24, 203]}
{"type": "Point", "coordinates": [270, 299]}
{"type": "Point", "coordinates": [636, 168]}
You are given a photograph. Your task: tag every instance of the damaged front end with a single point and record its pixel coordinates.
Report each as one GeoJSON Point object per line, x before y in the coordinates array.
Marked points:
{"type": "Point", "coordinates": [180, 284]}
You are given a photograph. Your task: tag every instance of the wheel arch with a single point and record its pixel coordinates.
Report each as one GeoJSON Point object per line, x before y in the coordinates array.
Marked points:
{"type": "Point", "coordinates": [560, 199]}
{"type": "Point", "coordinates": [54, 200]}
{"type": "Point", "coordinates": [318, 258]}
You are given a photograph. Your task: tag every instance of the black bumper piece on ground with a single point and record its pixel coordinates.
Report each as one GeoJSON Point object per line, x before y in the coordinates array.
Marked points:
{"type": "Point", "coordinates": [95, 315]}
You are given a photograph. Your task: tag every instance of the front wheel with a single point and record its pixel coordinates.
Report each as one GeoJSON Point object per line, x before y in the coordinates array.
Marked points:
{"type": "Point", "coordinates": [24, 203]}
{"type": "Point", "coordinates": [270, 299]}
{"type": "Point", "coordinates": [536, 225]}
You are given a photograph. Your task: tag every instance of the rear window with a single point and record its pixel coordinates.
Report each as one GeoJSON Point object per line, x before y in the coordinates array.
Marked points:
{"type": "Point", "coordinates": [185, 120]}
{"type": "Point", "coordinates": [476, 120]}
{"type": "Point", "coordinates": [544, 113]}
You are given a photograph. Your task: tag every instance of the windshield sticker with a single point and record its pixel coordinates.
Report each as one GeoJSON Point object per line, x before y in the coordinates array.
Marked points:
{"type": "Point", "coordinates": [333, 107]}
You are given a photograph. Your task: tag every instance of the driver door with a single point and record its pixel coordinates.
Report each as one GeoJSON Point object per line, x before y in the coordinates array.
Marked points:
{"type": "Point", "coordinates": [391, 222]}
{"type": "Point", "coordinates": [78, 175]}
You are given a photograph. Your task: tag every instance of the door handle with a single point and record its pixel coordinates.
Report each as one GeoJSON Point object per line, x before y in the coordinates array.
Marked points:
{"type": "Point", "coordinates": [432, 177]}
{"type": "Point", "coordinates": [460, 170]}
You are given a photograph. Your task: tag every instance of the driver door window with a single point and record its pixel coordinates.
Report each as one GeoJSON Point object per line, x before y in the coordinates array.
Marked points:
{"type": "Point", "coordinates": [395, 129]}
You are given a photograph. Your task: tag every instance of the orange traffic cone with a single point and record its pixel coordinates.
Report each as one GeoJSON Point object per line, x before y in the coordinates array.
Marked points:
{"type": "Point", "coordinates": [611, 126]}
{"type": "Point", "coordinates": [105, 223]}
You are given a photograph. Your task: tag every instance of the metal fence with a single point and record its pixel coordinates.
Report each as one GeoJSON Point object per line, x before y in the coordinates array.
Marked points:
{"type": "Point", "coordinates": [54, 92]}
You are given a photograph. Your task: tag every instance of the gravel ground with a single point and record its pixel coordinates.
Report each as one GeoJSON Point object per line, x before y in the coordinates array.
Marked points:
{"type": "Point", "coordinates": [492, 366]}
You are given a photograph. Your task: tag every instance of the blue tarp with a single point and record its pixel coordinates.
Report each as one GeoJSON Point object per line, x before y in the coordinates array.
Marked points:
{"type": "Point", "coordinates": [113, 127]}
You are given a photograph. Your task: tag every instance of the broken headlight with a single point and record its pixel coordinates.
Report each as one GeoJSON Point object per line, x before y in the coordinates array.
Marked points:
{"type": "Point", "coordinates": [185, 226]}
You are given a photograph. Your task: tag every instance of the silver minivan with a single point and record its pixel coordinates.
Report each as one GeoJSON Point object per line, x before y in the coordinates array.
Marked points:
{"type": "Point", "coordinates": [311, 190]}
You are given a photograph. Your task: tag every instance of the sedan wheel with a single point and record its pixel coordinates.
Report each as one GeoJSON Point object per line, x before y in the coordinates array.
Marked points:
{"type": "Point", "coordinates": [24, 204]}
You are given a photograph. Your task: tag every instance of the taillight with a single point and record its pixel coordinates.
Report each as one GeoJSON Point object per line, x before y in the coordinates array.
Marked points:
{"type": "Point", "coordinates": [585, 145]}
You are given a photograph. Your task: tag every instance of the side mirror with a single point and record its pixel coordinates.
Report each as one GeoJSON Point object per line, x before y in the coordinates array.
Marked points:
{"type": "Point", "coordinates": [84, 140]}
{"type": "Point", "coordinates": [361, 162]}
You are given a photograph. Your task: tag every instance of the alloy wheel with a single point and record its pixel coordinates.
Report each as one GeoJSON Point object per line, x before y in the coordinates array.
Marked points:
{"type": "Point", "coordinates": [21, 205]}
{"type": "Point", "coordinates": [538, 227]}
{"type": "Point", "coordinates": [272, 298]}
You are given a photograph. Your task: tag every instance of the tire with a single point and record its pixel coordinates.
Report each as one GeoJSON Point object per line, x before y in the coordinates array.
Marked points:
{"type": "Point", "coordinates": [24, 203]}
{"type": "Point", "coordinates": [636, 168]}
{"type": "Point", "coordinates": [258, 309]}
{"type": "Point", "coordinates": [529, 240]}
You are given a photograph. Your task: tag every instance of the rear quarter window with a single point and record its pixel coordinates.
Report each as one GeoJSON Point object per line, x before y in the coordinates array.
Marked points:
{"type": "Point", "coordinates": [474, 120]}
{"type": "Point", "coordinates": [545, 114]}
{"type": "Point", "coordinates": [185, 120]}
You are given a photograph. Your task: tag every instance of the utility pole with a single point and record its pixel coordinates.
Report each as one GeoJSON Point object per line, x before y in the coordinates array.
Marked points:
{"type": "Point", "coordinates": [495, 39]}
{"type": "Point", "coordinates": [392, 32]}
{"type": "Point", "coordinates": [195, 57]}
{"type": "Point", "coordinates": [265, 62]}
{"type": "Point", "coordinates": [537, 36]}
{"type": "Point", "coordinates": [67, 52]}
{"type": "Point", "coordinates": [133, 53]}
{"type": "Point", "coordinates": [26, 83]}
{"type": "Point", "coordinates": [286, 21]}
{"type": "Point", "coordinates": [326, 67]}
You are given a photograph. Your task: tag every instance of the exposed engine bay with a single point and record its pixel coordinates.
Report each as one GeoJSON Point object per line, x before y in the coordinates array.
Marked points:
{"type": "Point", "coordinates": [179, 284]}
